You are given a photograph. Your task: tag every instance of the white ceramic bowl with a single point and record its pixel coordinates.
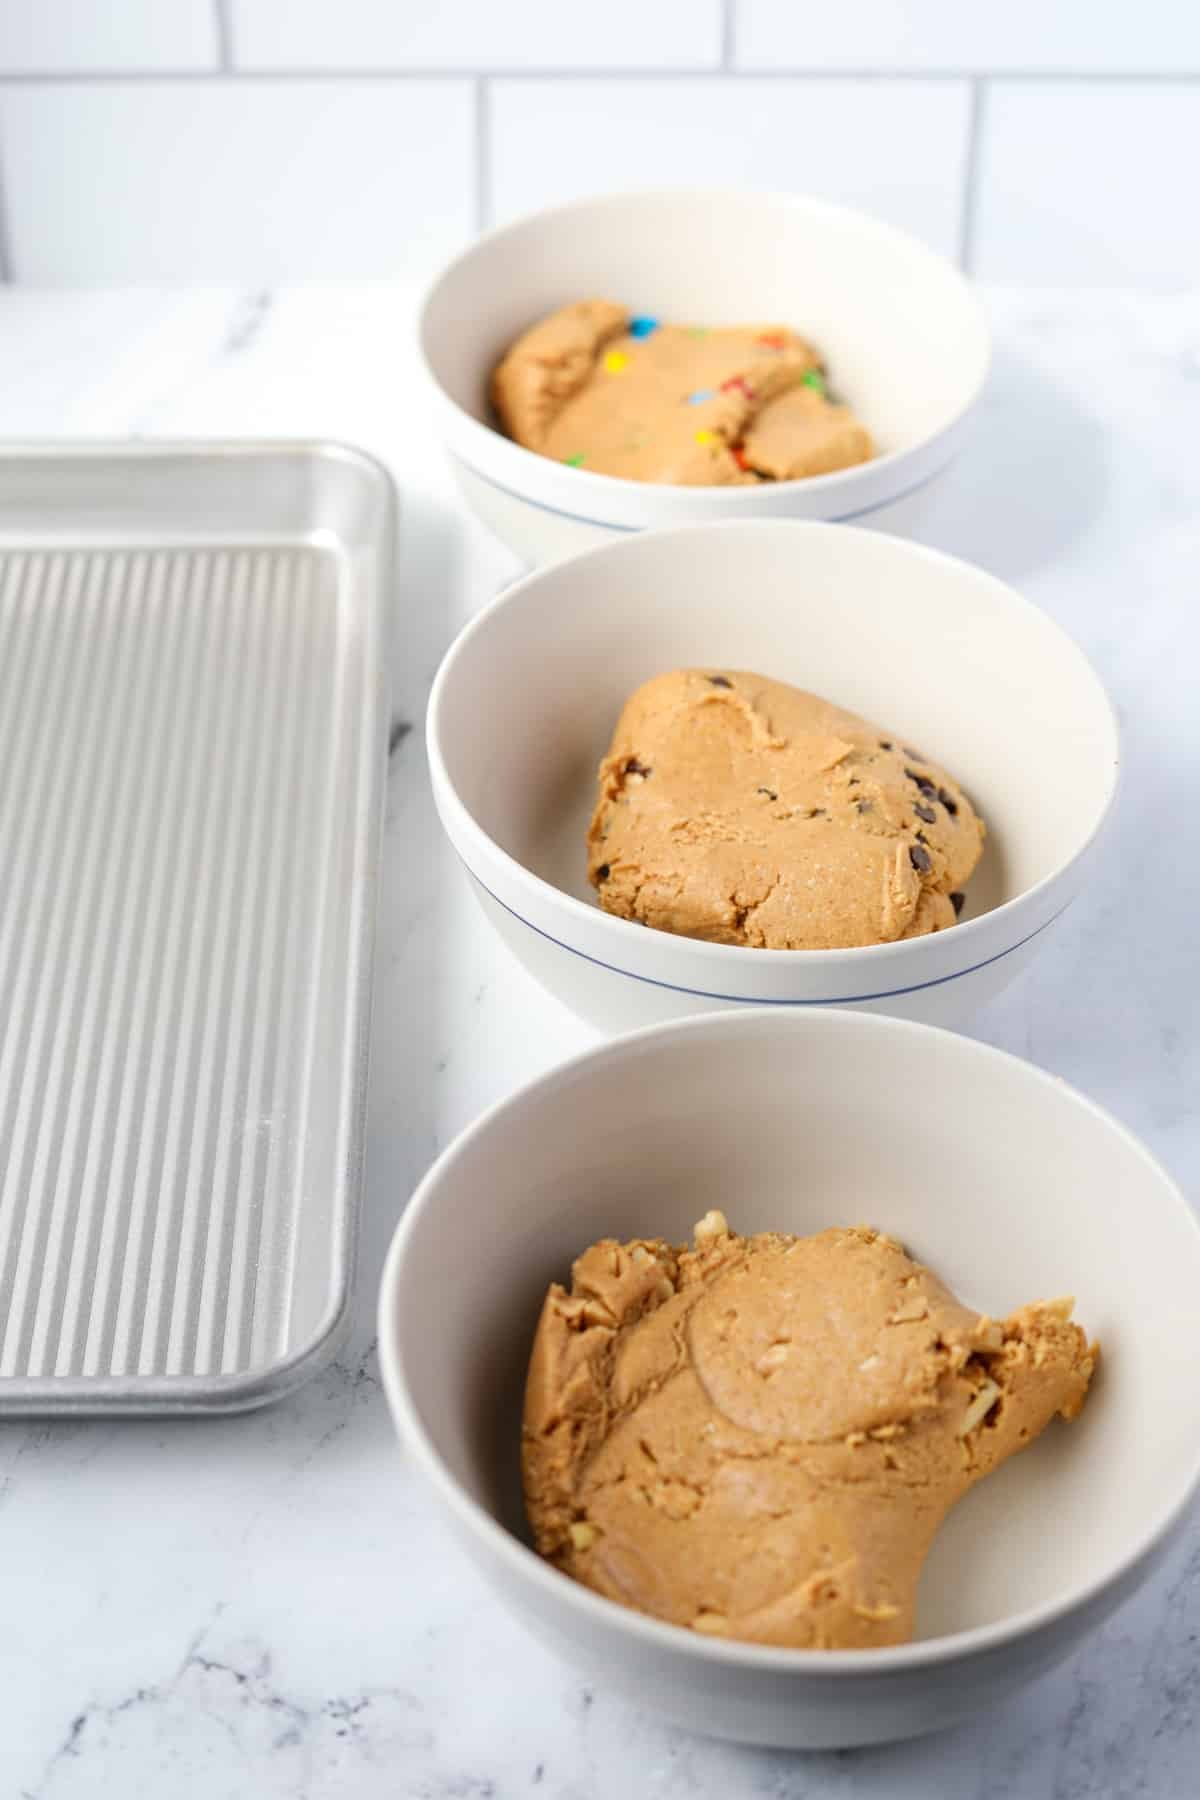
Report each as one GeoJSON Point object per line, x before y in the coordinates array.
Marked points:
{"type": "Point", "coordinates": [945, 657]}
{"type": "Point", "coordinates": [905, 339]}
{"type": "Point", "coordinates": [1012, 1186]}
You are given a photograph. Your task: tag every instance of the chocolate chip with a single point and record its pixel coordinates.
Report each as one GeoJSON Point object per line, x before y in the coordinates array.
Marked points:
{"type": "Point", "coordinates": [634, 767]}
{"type": "Point", "coordinates": [720, 681]}
{"type": "Point", "coordinates": [863, 805]}
{"type": "Point", "coordinates": [958, 901]}
{"type": "Point", "coordinates": [769, 792]}
{"type": "Point", "coordinates": [853, 781]}
{"type": "Point", "coordinates": [603, 872]}
{"type": "Point", "coordinates": [949, 802]}
{"type": "Point", "coordinates": [923, 782]}
{"type": "Point", "coordinates": [915, 754]}
{"type": "Point", "coordinates": [925, 812]}
{"type": "Point", "coordinates": [920, 859]}
{"type": "Point", "coordinates": [884, 744]}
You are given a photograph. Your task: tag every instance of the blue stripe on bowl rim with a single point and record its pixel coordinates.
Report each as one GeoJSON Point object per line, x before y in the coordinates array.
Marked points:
{"type": "Point", "coordinates": [560, 512]}
{"type": "Point", "coordinates": [673, 987]}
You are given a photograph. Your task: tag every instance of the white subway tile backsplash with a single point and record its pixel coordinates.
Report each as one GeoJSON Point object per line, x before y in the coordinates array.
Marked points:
{"type": "Point", "coordinates": [476, 34]}
{"type": "Point", "coordinates": [1084, 36]}
{"type": "Point", "coordinates": [896, 149]}
{"type": "Point", "coordinates": [247, 180]}
{"type": "Point", "coordinates": [354, 138]}
{"type": "Point", "coordinates": [1087, 183]}
{"type": "Point", "coordinates": [66, 37]}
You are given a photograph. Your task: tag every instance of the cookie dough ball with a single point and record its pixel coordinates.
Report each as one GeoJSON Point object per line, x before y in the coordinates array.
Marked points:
{"type": "Point", "coordinates": [803, 433]}
{"type": "Point", "coordinates": [743, 811]}
{"type": "Point", "coordinates": [549, 365]}
{"type": "Point", "coordinates": [758, 1437]}
{"type": "Point", "coordinates": [647, 401]}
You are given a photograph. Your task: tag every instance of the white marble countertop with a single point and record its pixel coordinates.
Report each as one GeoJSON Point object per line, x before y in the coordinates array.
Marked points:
{"type": "Point", "coordinates": [269, 1605]}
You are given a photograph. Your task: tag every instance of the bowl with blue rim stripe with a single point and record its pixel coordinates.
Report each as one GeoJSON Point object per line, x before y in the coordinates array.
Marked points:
{"type": "Point", "coordinates": [902, 332]}
{"type": "Point", "coordinates": [932, 648]}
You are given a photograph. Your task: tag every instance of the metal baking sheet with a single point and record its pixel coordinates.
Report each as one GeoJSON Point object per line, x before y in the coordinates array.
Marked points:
{"type": "Point", "coordinates": [192, 760]}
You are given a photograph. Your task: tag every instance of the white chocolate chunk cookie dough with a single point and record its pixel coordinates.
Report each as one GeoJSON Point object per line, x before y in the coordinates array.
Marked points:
{"type": "Point", "coordinates": [744, 811]}
{"type": "Point", "coordinates": [758, 1438]}
{"type": "Point", "coordinates": [595, 388]}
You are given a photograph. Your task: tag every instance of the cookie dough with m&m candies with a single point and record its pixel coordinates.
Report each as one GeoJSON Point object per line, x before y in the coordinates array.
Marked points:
{"type": "Point", "coordinates": [598, 388]}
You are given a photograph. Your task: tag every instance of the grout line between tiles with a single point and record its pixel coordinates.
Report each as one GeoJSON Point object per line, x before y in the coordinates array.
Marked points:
{"type": "Point", "coordinates": [727, 30]}
{"type": "Point", "coordinates": [483, 152]}
{"type": "Point", "coordinates": [8, 272]}
{"type": "Point", "coordinates": [224, 17]}
{"type": "Point", "coordinates": [98, 77]}
{"type": "Point", "coordinates": [976, 121]}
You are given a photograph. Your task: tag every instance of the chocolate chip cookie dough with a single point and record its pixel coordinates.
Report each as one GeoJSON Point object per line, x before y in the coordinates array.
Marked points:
{"type": "Point", "coordinates": [595, 388]}
{"type": "Point", "coordinates": [744, 811]}
{"type": "Point", "coordinates": [759, 1437]}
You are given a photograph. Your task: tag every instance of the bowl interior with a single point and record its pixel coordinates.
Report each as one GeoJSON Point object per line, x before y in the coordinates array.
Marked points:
{"type": "Point", "coordinates": [1008, 1184]}
{"type": "Point", "coordinates": [903, 338]}
{"type": "Point", "coordinates": [938, 654]}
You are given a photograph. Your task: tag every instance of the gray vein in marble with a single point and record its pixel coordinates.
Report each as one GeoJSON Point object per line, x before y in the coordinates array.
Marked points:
{"type": "Point", "coordinates": [249, 317]}
{"type": "Point", "coordinates": [348, 1383]}
{"type": "Point", "coordinates": [237, 1693]}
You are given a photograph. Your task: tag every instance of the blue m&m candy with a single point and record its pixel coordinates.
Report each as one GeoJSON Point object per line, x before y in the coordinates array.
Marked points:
{"type": "Point", "coordinates": [642, 326]}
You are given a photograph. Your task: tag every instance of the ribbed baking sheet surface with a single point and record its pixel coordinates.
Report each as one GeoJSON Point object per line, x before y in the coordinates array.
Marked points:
{"type": "Point", "coordinates": [177, 809]}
